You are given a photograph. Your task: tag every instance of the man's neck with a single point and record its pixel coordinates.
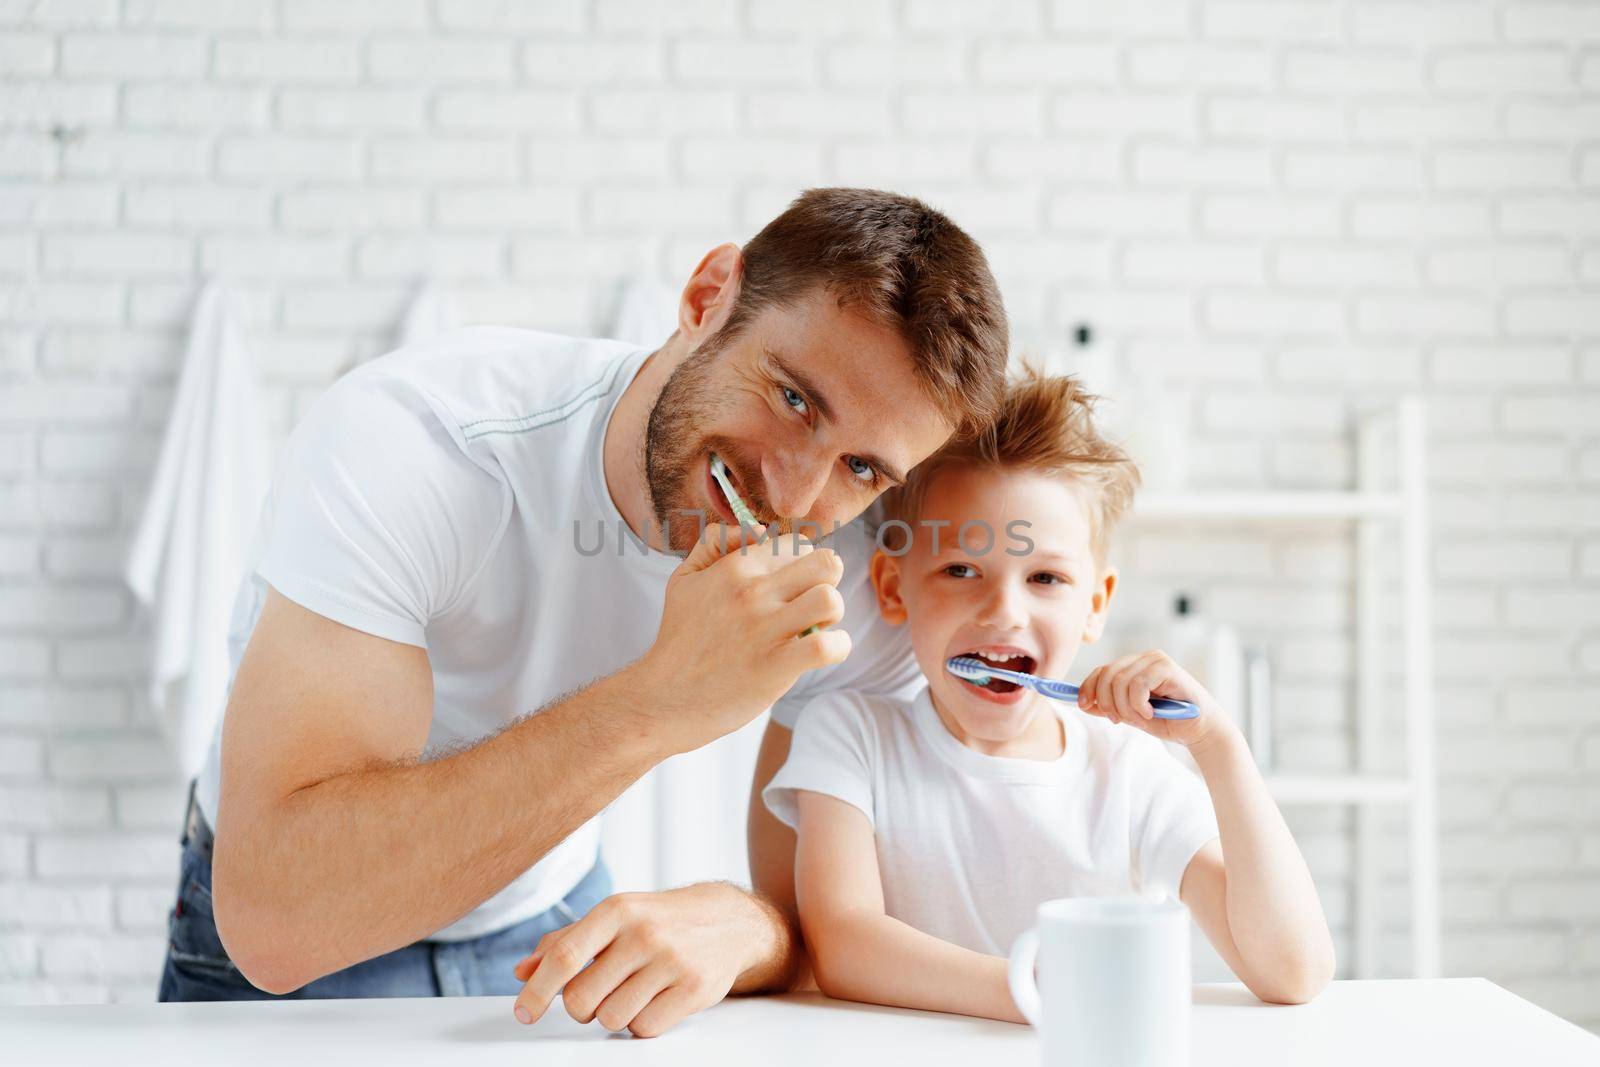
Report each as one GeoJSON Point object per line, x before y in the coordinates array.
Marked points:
{"type": "Point", "coordinates": [622, 454]}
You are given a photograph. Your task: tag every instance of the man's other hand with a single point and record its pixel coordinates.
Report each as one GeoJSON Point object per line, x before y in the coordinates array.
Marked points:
{"type": "Point", "coordinates": [645, 961]}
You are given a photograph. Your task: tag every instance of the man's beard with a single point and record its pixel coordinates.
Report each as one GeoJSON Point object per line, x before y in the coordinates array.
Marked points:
{"type": "Point", "coordinates": [675, 449]}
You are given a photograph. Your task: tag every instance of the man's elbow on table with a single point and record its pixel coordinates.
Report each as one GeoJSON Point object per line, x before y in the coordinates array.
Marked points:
{"type": "Point", "coordinates": [246, 927]}
{"type": "Point", "coordinates": [267, 983]}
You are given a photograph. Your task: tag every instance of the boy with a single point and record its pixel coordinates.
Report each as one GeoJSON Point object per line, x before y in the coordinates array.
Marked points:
{"type": "Point", "coordinates": [930, 831]}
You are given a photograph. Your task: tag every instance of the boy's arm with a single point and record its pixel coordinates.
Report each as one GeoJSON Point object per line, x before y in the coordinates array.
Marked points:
{"type": "Point", "coordinates": [1261, 910]}
{"type": "Point", "coordinates": [860, 953]}
{"type": "Point", "coordinates": [771, 847]}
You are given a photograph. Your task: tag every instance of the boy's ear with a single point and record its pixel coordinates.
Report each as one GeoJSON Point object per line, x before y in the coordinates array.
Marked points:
{"type": "Point", "coordinates": [1100, 606]}
{"type": "Point", "coordinates": [885, 572]}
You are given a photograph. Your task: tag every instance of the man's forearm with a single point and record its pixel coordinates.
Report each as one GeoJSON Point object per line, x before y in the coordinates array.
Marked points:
{"type": "Point", "coordinates": [368, 861]}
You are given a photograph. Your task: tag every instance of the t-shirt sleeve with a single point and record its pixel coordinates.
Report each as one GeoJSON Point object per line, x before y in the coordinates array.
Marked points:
{"type": "Point", "coordinates": [833, 752]}
{"type": "Point", "coordinates": [1172, 818]}
{"type": "Point", "coordinates": [379, 519]}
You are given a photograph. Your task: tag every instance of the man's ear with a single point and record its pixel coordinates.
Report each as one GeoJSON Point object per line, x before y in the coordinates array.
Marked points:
{"type": "Point", "coordinates": [885, 572]}
{"type": "Point", "coordinates": [709, 295]}
{"type": "Point", "coordinates": [1100, 606]}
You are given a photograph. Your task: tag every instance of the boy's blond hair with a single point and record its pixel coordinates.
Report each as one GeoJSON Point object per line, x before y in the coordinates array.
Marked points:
{"type": "Point", "coordinates": [1046, 425]}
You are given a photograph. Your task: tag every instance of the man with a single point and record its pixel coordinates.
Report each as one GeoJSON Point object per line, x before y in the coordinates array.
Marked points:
{"type": "Point", "coordinates": [447, 658]}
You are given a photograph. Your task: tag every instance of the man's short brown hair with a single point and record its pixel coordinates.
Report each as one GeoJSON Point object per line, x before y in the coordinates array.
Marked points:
{"type": "Point", "coordinates": [904, 265]}
{"type": "Point", "coordinates": [1046, 425]}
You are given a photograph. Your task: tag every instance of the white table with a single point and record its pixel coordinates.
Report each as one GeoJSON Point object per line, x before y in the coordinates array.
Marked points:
{"type": "Point", "coordinates": [1459, 1022]}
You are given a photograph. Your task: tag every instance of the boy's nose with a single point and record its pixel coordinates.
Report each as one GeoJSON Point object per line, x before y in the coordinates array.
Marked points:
{"type": "Point", "coordinates": [1002, 609]}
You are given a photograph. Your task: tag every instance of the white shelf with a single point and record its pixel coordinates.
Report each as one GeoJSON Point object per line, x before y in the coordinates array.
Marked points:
{"type": "Point", "coordinates": [1270, 504]}
{"type": "Point", "coordinates": [1338, 788]}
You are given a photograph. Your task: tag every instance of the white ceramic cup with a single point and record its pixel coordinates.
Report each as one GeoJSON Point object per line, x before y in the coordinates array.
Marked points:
{"type": "Point", "coordinates": [1113, 986]}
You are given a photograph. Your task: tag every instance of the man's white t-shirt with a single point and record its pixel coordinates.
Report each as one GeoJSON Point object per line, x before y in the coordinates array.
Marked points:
{"type": "Point", "coordinates": [451, 495]}
{"type": "Point", "coordinates": [969, 844]}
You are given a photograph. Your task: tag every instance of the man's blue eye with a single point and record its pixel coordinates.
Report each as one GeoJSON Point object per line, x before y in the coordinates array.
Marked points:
{"type": "Point", "coordinates": [794, 400]}
{"type": "Point", "coordinates": [861, 469]}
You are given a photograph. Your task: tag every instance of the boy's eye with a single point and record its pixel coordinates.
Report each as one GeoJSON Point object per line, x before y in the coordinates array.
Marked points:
{"type": "Point", "coordinates": [794, 400]}
{"type": "Point", "coordinates": [1046, 578]}
{"type": "Point", "coordinates": [861, 469]}
{"type": "Point", "coordinates": [960, 570]}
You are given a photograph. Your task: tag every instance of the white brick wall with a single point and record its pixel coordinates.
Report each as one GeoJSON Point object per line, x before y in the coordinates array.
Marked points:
{"type": "Point", "coordinates": [1294, 208]}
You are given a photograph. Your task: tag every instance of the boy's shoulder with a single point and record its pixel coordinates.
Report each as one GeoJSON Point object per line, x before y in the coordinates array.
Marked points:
{"type": "Point", "coordinates": [861, 703]}
{"type": "Point", "coordinates": [880, 715]}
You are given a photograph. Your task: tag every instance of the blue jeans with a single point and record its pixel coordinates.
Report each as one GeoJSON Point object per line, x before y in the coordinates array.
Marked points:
{"type": "Point", "coordinates": [198, 967]}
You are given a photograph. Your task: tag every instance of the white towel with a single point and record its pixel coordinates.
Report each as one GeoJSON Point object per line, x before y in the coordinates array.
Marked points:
{"type": "Point", "coordinates": [190, 552]}
{"type": "Point", "coordinates": [432, 311]}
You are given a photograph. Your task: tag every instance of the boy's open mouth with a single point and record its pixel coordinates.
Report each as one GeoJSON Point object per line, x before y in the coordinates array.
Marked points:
{"type": "Point", "coordinates": [1006, 660]}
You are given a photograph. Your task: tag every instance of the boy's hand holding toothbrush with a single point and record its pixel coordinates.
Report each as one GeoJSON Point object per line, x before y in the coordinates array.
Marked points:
{"type": "Point", "coordinates": [1121, 691]}
{"type": "Point", "coordinates": [726, 649]}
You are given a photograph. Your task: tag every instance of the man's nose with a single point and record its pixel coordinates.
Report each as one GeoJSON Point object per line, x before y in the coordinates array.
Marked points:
{"type": "Point", "coordinates": [795, 480]}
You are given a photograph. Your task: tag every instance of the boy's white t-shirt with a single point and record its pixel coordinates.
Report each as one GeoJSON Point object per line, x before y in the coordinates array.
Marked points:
{"type": "Point", "coordinates": [451, 495]}
{"type": "Point", "coordinates": [969, 844]}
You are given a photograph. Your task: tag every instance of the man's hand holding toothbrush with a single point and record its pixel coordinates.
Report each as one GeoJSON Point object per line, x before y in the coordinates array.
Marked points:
{"type": "Point", "coordinates": [727, 649]}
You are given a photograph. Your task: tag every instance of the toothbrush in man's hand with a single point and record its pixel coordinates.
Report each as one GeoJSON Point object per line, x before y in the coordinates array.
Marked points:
{"type": "Point", "coordinates": [974, 670]}
{"type": "Point", "coordinates": [741, 511]}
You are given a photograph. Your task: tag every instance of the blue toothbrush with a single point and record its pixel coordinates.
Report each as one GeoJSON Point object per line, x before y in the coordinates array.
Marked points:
{"type": "Point", "coordinates": [974, 670]}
